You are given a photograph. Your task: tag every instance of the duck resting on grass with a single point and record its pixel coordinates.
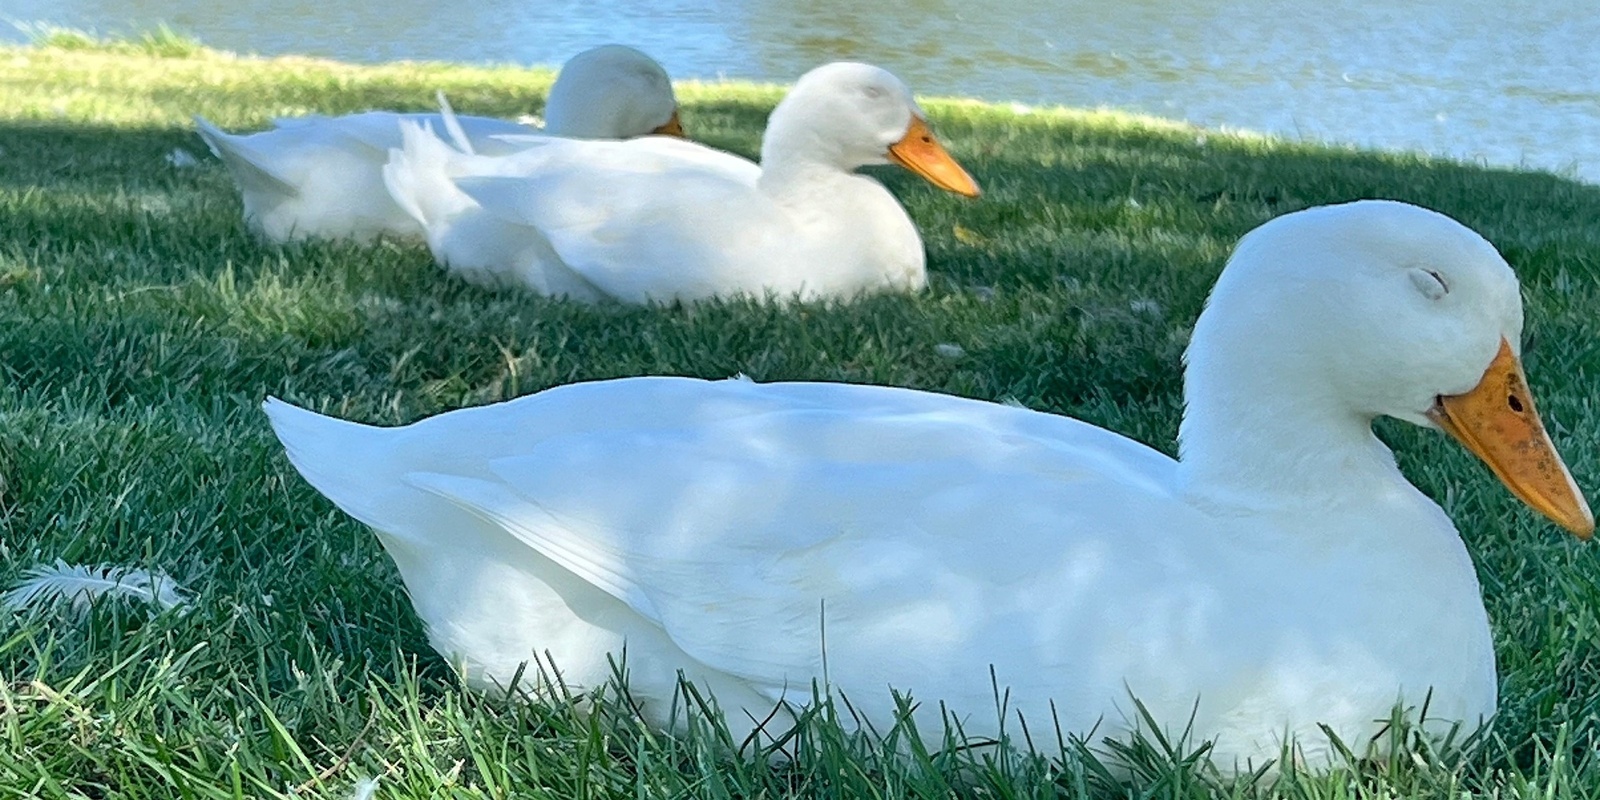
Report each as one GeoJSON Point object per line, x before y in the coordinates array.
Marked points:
{"type": "Point", "coordinates": [322, 177]}
{"type": "Point", "coordinates": [1281, 574]}
{"type": "Point", "coordinates": [657, 219]}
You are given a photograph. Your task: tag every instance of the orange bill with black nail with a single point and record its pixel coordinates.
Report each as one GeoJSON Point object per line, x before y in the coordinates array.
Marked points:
{"type": "Point", "coordinates": [921, 153]}
{"type": "Point", "coordinates": [672, 127]}
{"type": "Point", "coordinates": [1497, 421]}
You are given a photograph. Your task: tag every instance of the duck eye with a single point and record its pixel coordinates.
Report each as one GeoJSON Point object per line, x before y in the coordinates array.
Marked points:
{"type": "Point", "coordinates": [1430, 283]}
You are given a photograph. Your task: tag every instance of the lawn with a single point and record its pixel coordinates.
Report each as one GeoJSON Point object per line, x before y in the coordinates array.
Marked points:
{"type": "Point", "coordinates": [141, 326]}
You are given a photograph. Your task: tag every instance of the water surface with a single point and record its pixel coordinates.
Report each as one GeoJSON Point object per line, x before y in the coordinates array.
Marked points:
{"type": "Point", "coordinates": [1507, 84]}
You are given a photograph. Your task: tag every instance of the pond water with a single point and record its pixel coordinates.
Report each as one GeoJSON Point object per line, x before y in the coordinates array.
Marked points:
{"type": "Point", "coordinates": [1505, 84]}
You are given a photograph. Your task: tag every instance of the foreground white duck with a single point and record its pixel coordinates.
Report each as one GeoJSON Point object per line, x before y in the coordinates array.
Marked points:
{"type": "Point", "coordinates": [657, 219]}
{"type": "Point", "coordinates": [1281, 574]}
{"type": "Point", "coordinates": [319, 176]}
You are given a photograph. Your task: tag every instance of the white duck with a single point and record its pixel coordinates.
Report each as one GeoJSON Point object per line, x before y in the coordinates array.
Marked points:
{"type": "Point", "coordinates": [1282, 573]}
{"type": "Point", "coordinates": [320, 176]}
{"type": "Point", "coordinates": [654, 219]}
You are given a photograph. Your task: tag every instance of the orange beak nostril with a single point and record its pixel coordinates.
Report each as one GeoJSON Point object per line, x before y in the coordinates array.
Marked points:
{"type": "Point", "coordinates": [1498, 422]}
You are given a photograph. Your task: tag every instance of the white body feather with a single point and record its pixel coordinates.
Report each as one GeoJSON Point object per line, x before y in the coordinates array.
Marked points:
{"type": "Point", "coordinates": [81, 586]}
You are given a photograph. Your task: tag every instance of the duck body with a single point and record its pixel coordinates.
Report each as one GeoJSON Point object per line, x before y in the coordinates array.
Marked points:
{"type": "Point", "coordinates": [492, 243]}
{"type": "Point", "coordinates": [729, 529]}
{"type": "Point", "coordinates": [322, 177]}
{"type": "Point", "coordinates": [653, 220]}
{"type": "Point", "coordinates": [1282, 575]}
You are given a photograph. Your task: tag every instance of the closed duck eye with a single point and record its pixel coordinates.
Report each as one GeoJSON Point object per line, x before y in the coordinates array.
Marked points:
{"type": "Point", "coordinates": [1430, 283]}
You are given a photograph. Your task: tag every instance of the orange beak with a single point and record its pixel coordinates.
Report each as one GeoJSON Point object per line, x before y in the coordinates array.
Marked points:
{"type": "Point", "coordinates": [1498, 423]}
{"type": "Point", "coordinates": [672, 127]}
{"type": "Point", "coordinates": [919, 152]}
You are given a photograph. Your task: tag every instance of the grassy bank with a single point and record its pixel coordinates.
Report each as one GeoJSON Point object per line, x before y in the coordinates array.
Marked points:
{"type": "Point", "coordinates": [141, 326]}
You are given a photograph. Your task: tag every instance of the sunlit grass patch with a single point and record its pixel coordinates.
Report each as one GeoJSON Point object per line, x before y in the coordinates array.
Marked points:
{"type": "Point", "coordinates": [163, 41]}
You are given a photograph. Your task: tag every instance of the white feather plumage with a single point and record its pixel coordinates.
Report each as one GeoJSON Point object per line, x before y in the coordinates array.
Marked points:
{"type": "Point", "coordinates": [365, 789]}
{"type": "Point", "coordinates": [82, 585]}
{"type": "Point", "coordinates": [1246, 593]}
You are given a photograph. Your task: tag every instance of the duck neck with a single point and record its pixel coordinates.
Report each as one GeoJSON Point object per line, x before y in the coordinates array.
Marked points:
{"type": "Point", "coordinates": [785, 177]}
{"type": "Point", "coordinates": [1260, 430]}
{"type": "Point", "coordinates": [571, 120]}
{"type": "Point", "coordinates": [798, 157]}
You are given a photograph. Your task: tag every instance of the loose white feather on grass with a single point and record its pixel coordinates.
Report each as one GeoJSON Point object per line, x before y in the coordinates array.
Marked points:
{"type": "Point", "coordinates": [81, 586]}
{"type": "Point", "coordinates": [365, 789]}
{"type": "Point", "coordinates": [182, 159]}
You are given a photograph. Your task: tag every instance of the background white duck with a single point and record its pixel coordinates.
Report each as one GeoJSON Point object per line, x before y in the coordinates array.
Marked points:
{"type": "Point", "coordinates": [1282, 573]}
{"type": "Point", "coordinates": [318, 176]}
{"type": "Point", "coordinates": [652, 219]}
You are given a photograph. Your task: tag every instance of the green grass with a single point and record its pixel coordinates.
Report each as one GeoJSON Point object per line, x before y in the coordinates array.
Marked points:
{"type": "Point", "coordinates": [141, 326]}
{"type": "Point", "coordinates": [163, 41]}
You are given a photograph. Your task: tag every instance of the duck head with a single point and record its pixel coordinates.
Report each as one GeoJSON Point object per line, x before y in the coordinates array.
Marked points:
{"type": "Point", "coordinates": [612, 92]}
{"type": "Point", "coordinates": [1380, 308]}
{"type": "Point", "coordinates": [848, 115]}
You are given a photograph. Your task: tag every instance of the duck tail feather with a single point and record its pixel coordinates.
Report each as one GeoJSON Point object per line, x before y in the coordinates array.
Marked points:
{"type": "Point", "coordinates": [418, 174]}
{"type": "Point", "coordinates": [452, 126]}
{"type": "Point", "coordinates": [252, 169]}
{"type": "Point", "coordinates": [333, 455]}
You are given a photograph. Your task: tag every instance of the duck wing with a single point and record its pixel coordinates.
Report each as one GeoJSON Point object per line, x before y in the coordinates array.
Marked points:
{"type": "Point", "coordinates": [868, 526]}
{"type": "Point", "coordinates": [654, 218]}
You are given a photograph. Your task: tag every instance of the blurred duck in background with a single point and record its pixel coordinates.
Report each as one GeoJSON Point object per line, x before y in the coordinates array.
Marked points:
{"type": "Point", "coordinates": [658, 219]}
{"type": "Point", "coordinates": [322, 177]}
